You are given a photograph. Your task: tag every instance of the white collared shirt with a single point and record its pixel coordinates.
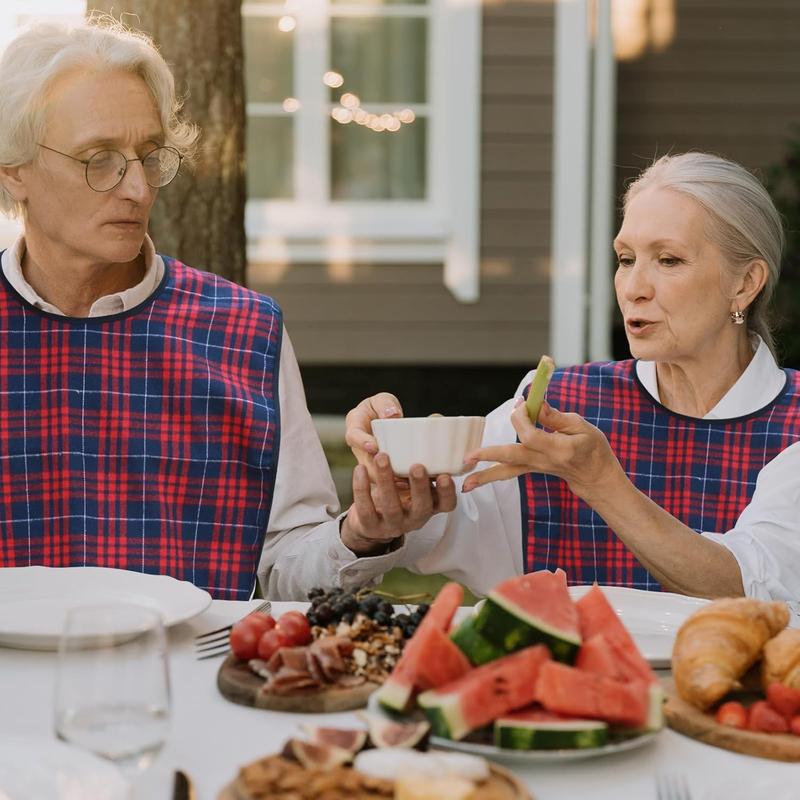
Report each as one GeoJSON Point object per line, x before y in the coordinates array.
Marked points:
{"type": "Point", "coordinates": [304, 498]}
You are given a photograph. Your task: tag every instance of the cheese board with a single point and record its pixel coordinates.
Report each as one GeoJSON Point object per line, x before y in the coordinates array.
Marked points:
{"type": "Point", "coordinates": [239, 684]}
{"type": "Point", "coordinates": [690, 721]}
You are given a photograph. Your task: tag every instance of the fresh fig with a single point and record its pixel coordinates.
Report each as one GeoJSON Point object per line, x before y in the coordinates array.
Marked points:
{"type": "Point", "coordinates": [387, 733]}
{"type": "Point", "coordinates": [316, 756]}
{"type": "Point", "coordinates": [352, 739]}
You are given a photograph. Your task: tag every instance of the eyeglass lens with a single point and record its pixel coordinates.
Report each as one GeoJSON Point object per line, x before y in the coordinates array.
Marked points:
{"type": "Point", "coordinates": [107, 168]}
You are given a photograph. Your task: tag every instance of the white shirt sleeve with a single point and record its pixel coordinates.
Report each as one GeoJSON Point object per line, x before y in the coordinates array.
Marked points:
{"type": "Point", "coordinates": [766, 538]}
{"type": "Point", "coordinates": [478, 543]}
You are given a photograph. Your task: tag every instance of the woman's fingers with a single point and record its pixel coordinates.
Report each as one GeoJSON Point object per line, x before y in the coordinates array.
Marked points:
{"type": "Point", "coordinates": [516, 454]}
{"type": "Point", "coordinates": [499, 472]}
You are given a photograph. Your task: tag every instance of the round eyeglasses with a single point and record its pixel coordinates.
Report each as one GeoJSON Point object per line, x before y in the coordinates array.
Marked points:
{"type": "Point", "coordinates": [106, 169]}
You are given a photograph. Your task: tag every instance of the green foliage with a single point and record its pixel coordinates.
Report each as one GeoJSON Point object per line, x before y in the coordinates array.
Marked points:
{"type": "Point", "coordinates": [783, 183]}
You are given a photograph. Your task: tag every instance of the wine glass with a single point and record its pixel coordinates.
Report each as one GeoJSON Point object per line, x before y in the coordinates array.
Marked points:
{"type": "Point", "coordinates": [112, 684]}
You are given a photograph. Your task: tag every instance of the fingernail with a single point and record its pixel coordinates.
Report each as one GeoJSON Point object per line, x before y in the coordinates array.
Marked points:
{"type": "Point", "coordinates": [467, 487]}
{"type": "Point", "coordinates": [391, 411]}
{"type": "Point", "coordinates": [444, 481]}
{"type": "Point", "coordinates": [518, 402]}
{"type": "Point", "coordinates": [417, 471]}
{"type": "Point", "coordinates": [371, 447]}
{"type": "Point", "coordinates": [382, 460]}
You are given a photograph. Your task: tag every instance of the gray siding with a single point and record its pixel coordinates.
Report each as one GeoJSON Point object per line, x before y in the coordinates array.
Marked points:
{"type": "Point", "coordinates": [403, 314]}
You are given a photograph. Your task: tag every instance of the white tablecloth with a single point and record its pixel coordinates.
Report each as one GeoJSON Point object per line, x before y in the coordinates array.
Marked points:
{"type": "Point", "coordinates": [210, 736]}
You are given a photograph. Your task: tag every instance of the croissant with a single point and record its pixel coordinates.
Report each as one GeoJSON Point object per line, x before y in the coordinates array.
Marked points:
{"type": "Point", "coordinates": [781, 659]}
{"type": "Point", "coordinates": [719, 643]}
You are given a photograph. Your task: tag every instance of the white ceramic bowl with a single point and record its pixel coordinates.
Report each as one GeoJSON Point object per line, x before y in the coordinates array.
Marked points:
{"type": "Point", "coordinates": [438, 443]}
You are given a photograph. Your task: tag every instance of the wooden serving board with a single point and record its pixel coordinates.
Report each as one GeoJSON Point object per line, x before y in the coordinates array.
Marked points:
{"type": "Point", "coordinates": [238, 683]}
{"type": "Point", "coordinates": [685, 718]}
{"type": "Point", "coordinates": [502, 785]}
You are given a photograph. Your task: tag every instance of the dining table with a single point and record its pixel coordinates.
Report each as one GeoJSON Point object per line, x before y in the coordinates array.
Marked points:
{"type": "Point", "coordinates": [211, 737]}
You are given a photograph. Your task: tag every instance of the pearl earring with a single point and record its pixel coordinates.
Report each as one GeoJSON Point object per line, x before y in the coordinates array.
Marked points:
{"type": "Point", "coordinates": [737, 317]}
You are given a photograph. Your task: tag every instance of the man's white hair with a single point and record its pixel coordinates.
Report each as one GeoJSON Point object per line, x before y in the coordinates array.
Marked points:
{"type": "Point", "coordinates": [44, 51]}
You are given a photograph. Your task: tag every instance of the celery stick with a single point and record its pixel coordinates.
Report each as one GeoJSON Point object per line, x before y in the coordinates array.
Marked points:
{"type": "Point", "coordinates": [544, 371]}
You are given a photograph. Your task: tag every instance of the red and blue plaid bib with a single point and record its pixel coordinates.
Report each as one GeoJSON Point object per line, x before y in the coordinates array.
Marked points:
{"type": "Point", "coordinates": [146, 440]}
{"type": "Point", "coordinates": [702, 471]}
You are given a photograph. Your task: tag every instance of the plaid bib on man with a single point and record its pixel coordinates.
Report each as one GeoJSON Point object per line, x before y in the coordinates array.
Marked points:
{"type": "Point", "coordinates": [146, 440]}
{"type": "Point", "coordinates": [702, 471]}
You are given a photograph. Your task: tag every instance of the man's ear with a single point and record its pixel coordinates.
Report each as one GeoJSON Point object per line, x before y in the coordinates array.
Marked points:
{"type": "Point", "coordinates": [13, 182]}
{"type": "Point", "coordinates": [753, 281]}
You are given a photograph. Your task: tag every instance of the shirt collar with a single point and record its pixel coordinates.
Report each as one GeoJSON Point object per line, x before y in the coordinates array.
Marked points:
{"type": "Point", "coordinates": [108, 304]}
{"type": "Point", "coordinates": [760, 383]}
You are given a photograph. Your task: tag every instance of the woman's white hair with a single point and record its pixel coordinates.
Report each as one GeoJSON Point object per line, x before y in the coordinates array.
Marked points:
{"type": "Point", "coordinates": [743, 220]}
{"type": "Point", "coordinates": [43, 52]}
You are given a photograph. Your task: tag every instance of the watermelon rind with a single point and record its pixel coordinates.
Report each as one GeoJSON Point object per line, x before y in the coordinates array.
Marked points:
{"type": "Point", "coordinates": [395, 696]}
{"type": "Point", "coordinates": [509, 627]}
{"type": "Point", "coordinates": [475, 646]}
{"type": "Point", "coordinates": [655, 716]}
{"type": "Point", "coordinates": [517, 734]}
{"type": "Point", "coordinates": [443, 711]}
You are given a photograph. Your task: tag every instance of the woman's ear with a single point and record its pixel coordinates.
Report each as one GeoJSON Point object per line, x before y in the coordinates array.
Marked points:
{"type": "Point", "coordinates": [752, 282]}
{"type": "Point", "coordinates": [13, 182]}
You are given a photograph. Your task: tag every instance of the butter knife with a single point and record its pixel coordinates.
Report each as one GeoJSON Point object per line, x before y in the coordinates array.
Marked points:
{"type": "Point", "coordinates": [182, 788]}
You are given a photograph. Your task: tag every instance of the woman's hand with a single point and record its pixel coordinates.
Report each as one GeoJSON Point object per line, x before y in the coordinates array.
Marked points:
{"type": "Point", "coordinates": [573, 450]}
{"type": "Point", "coordinates": [386, 507]}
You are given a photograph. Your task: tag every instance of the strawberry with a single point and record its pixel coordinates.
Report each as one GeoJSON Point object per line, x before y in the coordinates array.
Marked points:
{"type": "Point", "coordinates": [732, 713]}
{"type": "Point", "coordinates": [784, 699]}
{"type": "Point", "coordinates": [794, 725]}
{"type": "Point", "coordinates": [763, 717]}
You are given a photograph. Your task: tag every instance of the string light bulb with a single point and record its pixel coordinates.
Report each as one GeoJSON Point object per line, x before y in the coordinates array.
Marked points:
{"type": "Point", "coordinates": [287, 24]}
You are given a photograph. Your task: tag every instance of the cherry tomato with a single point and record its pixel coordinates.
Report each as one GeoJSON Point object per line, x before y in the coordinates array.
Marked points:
{"type": "Point", "coordinates": [296, 626]}
{"type": "Point", "coordinates": [260, 623]}
{"type": "Point", "coordinates": [763, 717]}
{"type": "Point", "coordinates": [271, 642]}
{"type": "Point", "coordinates": [784, 699]}
{"type": "Point", "coordinates": [732, 713]}
{"type": "Point", "coordinates": [244, 641]}
{"type": "Point", "coordinates": [794, 725]}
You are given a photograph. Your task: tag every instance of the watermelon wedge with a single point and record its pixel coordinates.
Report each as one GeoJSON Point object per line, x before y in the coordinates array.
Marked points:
{"type": "Point", "coordinates": [596, 656]}
{"type": "Point", "coordinates": [537, 729]}
{"type": "Point", "coordinates": [476, 647]}
{"type": "Point", "coordinates": [597, 616]}
{"type": "Point", "coordinates": [531, 609]}
{"type": "Point", "coordinates": [567, 690]}
{"type": "Point", "coordinates": [430, 658]}
{"type": "Point", "coordinates": [484, 693]}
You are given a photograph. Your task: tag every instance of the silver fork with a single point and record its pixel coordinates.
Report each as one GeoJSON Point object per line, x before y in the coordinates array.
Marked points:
{"type": "Point", "coordinates": [672, 787]}
{"type": "Point", "coordinates": [217, 642]}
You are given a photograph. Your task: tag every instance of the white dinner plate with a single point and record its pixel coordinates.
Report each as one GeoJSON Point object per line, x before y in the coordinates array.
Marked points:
{"type": "Point", "coordinates": [34, 600]}
{"type": "Point", "coordinates": [495, 753]}
{"type": "Point", "coordinates": [46, 769]}
{"type": "Point", "coordinates": [653, 618]}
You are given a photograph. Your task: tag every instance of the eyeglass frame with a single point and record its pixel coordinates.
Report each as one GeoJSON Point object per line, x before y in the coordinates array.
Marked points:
{"type": "Point", "coordinates": [86, 161]}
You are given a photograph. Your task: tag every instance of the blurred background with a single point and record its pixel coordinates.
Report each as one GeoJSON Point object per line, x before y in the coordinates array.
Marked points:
{"type": "Point", "coordinates": [430, 187]}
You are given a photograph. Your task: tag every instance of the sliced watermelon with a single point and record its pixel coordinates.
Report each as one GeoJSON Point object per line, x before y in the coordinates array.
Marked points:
{"type": "Point", "coordinates": [567, 690]}
{"type": "Point", "coordinates": [531, 609]}
{"type": "Point", "coordinates": [429, 658]}
{"type": "Point", "coordinates": [597, 616]}
{"type": "Point", "coordinates": [596, 656]}
{"type": "Point", "coordinates": [476, 647]}
{"type": "Point", "coordinates": [484, 694]}
{"type": "Point", "coordinates": [537, 729]}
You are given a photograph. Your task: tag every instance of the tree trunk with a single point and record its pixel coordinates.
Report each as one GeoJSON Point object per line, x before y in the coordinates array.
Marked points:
{"type": "Point", "coordinates": [199, 217]}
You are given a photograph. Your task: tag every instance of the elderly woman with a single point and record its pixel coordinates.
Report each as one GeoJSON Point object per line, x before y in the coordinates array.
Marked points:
{"type": "Point", "coordinates": [142, 402]}
{"type": "Point", "coordinates": [682, 430]}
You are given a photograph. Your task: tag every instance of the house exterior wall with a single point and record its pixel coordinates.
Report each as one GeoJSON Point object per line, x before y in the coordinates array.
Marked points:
{"type": "Point", "coordinates": [403, 314]}
{"type": "Point", "coordinates": [728, 83]}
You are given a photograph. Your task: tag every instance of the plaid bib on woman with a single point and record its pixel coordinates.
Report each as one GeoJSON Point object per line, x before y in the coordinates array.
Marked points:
{"type": "Point", "coordinates": [701, 471]}
{"type": "Point", "coordinates": [146, 440]}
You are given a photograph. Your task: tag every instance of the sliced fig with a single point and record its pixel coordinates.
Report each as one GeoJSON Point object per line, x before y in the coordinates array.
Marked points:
{"type": "Point", "coordinates": [316, 756]}
{"type": "Point", "coordinates": [387, 733]}
{"type": "Point", "coordinates": [351, 739]}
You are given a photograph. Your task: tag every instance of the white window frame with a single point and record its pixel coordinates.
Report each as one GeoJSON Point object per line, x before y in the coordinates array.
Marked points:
{"type": "Point", "coordinates": [442, 228]}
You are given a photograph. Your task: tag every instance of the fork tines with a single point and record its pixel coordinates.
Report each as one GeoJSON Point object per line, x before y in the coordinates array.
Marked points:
{"type": "Point", "coordinates": [216, 642]}
{"type": "Point", "coordinates": [672, 787]}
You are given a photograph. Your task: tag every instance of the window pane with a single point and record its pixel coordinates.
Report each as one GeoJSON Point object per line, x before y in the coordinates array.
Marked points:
{"type": "Point", "coordinates": [382, 59]}
{"type": "Point", "coordinates": [269, 73]}
{"type": "Point", "coordinates": [370, 165]}
{"type": "Point", "coordinates": [269, 157]}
